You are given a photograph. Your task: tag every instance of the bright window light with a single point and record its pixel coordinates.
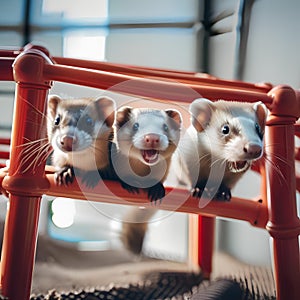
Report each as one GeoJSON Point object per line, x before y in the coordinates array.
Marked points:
{"type": "Point", "coordinates": [85, 47]}
{"type": "Point", "coordinates": [63, 212]}
{"type": "Point", "coordinates": [76, 10]}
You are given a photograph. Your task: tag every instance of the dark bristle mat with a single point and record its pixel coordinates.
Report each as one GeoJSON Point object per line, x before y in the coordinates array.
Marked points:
{"type": "Point", "coordinates": [222, 289]}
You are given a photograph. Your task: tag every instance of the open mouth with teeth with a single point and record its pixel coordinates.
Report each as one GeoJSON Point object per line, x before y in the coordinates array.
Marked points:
{"type": "Point", "coordinates": [150, 156]}
{"type": "Point", "coordinates": [238, 166]}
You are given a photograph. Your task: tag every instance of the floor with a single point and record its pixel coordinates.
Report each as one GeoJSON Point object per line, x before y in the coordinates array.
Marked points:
{"type": "Point", "coordinates": [64, 268]}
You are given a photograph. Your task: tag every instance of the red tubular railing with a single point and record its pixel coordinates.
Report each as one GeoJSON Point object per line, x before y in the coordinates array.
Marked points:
{"type": "Point", "coordinates": [275, 210]}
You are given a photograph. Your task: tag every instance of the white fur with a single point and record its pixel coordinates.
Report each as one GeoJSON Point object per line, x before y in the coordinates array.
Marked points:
{"type": "Point", "coordinates": [149, 123]}
{"type": "Point", "coordinates": [193, 153]}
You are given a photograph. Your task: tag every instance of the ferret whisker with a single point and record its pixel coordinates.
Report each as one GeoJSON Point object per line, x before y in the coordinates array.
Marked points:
{"type": "Point", "coordinates": [35, 109]}
{"type": "Point", "coordinates": [33, 147]}
{"type": "Point", "coordinates": [205, 156]}
{"type": "Point", "coordinates": [28, 149]}
{"type": "Point", "coordinates": [222, 160]}
{"type": "Point", "coordinates": [286, 162]}
{"type": "Point", "coordinates": [205, 159]}
{"type": "Point", "coordinates": [275, 167]}
{"type": "Point", "coordinates": [271, 145]}
{"type": "Point", "coordinates": [33, 142]}
{"type": "Point", "coordinates": [40, 154]}
{"type": "Point", "coordinates": [44, 115]}
{"type": "Point", "coordinates": [41, 157]}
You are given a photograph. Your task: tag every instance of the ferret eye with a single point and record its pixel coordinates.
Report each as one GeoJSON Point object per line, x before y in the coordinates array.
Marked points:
{"type": "Point", "coordinates": [57, 120]}
{"type": "Point", "coordinates": [258, 131]}
{"type": "Point", "coordinates": [135, 126]}
{"type": "Point", "coordinates": [166, 128]}
{"type": "Point", "coordinates": [89, 121]}
{"type": "Point", "coordinates": [225, 129]}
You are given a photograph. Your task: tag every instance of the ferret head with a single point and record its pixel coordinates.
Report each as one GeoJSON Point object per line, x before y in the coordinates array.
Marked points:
{"type": "Point", "coordinates": [148, 135]}
{"type": "Point", "coordinates": [75, 124]}
{"type": "Point", "coordinates": [233, 130]}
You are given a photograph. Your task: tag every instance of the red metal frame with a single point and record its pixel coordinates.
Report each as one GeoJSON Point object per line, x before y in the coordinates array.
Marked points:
{"type": "Point", "coordinates": [34, 70]}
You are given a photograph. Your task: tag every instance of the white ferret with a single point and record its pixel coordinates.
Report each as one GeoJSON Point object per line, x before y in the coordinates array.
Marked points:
{"type": "Point", "coordinates": [222, 142]}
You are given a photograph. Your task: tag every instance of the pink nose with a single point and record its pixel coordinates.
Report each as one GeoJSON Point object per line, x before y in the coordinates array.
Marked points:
{"type": "Point", "coordinates": [151, 140]}
{"type": "Point", "coordinates": [253, 150]}
{"type": "Point", "coordinates": [67, 142]}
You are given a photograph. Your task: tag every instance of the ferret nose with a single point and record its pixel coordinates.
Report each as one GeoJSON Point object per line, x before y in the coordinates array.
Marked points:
{"type": "Point", "coordinates": [253, 150]}
{"type": "Point", "coordinates": [151, 140]}
{"type": "Point", "coordinates": [67, 142]}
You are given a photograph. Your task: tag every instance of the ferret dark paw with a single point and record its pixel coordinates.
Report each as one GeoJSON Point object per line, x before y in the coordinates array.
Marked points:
{"type": "Point", "coordinates": [156, 192]}
{"type": "Point", "coordinates": [223, 194]}
{"type": "Point", "coordinates": [129, 188]}
{"type": "Point", "coordinates": [197, 192]}
{"type": "Point", "coordinates": [202, 191]}
{"type": "Point", "coordinates": [64, 176]}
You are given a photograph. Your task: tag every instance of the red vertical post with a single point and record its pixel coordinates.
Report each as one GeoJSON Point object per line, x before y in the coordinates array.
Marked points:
{"type": "Point", "coordinates": [26, 181]}
{"type": "Point", "coordinates": [201, 242]}
{"type": "Point", "coordinates": [283, 225]}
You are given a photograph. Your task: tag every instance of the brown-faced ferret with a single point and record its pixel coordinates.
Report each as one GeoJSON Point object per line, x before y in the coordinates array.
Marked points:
{"type": "Point", "coordinates": [225, 138]}
{"type": "Point", "coordinates": [80, 131]}
{"type": "Point", "coordinates": [146, 140]}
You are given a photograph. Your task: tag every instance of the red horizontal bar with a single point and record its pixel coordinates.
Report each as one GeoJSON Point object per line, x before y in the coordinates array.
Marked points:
{"type": "Point", "coordinates": [189, 77]}
{"type": "Point", "coordinates": [176, 199]}
{"type": "Point", "coordinates": [145, 87]}
{"type": "Point", "coordinates": [10, 52]}
{"type": "Point", "coordinates": [4, 155]}
{"type": "Point", "coordinates": [6, 70]}
{"type": "Point", "coordinates": [4, 141]}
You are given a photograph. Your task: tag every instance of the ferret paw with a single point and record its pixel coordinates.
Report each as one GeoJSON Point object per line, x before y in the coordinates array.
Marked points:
{"type": "Point", "coordinates": [129, 188]}
{"type": "Point", "coordinates": [197, 192]}
{"type": "Point", "coordinates": [200, 191]}
{"type": "Point", "coordinates": [156, 192]}
{"type": "Point", "coordinates": [223, 194]}
{"type": "Point", "coordinates": [64, 176]}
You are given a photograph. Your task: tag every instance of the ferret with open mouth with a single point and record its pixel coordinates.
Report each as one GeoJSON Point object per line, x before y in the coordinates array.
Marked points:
{"type": "Point", "coordinates": [224, 138]}
{"type": "Point", "coordinates": [145, 139]}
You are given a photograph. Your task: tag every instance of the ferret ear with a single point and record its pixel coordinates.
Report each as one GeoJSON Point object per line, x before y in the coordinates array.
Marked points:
{"type": "Point", "coordinates": [201, 111]}
{"type": "Point", "coordinates": [175, 115]}
{"type": "Point", "coordinates": [106, 109]}
{"type": "Point", "coordinates": [123, 115]}
{"type": "Point", "coordinates": [53, 101]}
{"type": "Point", "coordinates": [261, 114]}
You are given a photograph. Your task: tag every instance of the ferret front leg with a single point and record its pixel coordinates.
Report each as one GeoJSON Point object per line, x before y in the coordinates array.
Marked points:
{"type": "Point", "coordinates": [201, 190]}
{"type": "Point", "coordinates": [223, 193]}
{"type": "Point", "coordinates": [65, 175]}
{"type": "Point", "coordinates": [156, 192]}
{"type": "Point", "coordinates": [128, 187]}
